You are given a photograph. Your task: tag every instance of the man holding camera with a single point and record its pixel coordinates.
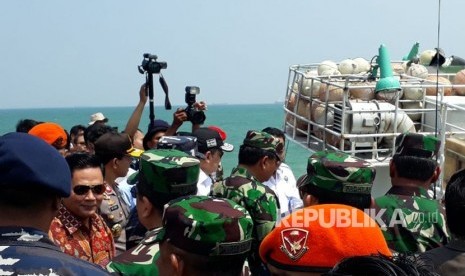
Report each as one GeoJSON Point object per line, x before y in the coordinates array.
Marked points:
{"type": "Point", "coordinates": [193, 113]}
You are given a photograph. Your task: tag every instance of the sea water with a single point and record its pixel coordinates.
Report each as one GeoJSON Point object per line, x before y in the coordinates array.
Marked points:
{"type": "Point", "coordinates": [236, 120]}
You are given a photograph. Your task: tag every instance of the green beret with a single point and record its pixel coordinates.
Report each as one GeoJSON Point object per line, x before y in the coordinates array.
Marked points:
{"type": "Point", "coordinates": [264, 141]}
{"type": "Point", "coordinates": [339, 172]}
{"type": "Point", "coordinates": [417, 145]}
{"type": "Point", "coordinates": [168, 171]}
{"type": "Point", "coordinates": [207, 226]}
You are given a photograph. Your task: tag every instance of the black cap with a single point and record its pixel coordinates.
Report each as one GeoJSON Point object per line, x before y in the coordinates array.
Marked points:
{"type": "Point", "coordinates": [208, 139]}
{"type": "Point", "coordinates": [115, 145]}
{"type": "Point", "coordinates": [158, 125]}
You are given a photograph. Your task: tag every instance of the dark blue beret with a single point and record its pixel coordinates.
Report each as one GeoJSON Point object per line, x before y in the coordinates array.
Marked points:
{"type": "Point", "coordinates": [28, 160]}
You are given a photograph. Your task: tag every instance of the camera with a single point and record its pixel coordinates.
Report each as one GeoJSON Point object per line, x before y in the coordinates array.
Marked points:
{"type": "Point", "coordinates": [194, 116]}
{"type": "Point", "coordinates": [151, 65]}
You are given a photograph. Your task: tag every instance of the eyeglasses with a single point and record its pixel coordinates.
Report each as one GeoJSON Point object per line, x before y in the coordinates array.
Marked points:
{"type": "Point", "coordinates": [84, 189]}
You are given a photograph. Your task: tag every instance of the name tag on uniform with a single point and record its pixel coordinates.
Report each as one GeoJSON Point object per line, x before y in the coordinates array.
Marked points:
{"type": "Point", "coordinates": [114, 207]}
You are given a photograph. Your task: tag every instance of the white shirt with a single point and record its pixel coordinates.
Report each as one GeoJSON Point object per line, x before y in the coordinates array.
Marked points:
{"type": "Point", "coordinates": [204, 184]}
{"type": "Point", "coordinates": [125, 187]}
{"type": "Point", "coordinates": [283, 184]}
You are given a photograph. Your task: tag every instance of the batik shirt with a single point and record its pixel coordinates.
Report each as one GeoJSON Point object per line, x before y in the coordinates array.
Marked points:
{"type": "Point", "coordinates": [139, 260]}
{"type": "Point", "coordinates": [29, 251]}
{"type": "Point", "coordinates": [94, 245]}
{"type": "Point", "coordinates": [261, 202]}
{"type": "Point", "coordinates": [413, 221]}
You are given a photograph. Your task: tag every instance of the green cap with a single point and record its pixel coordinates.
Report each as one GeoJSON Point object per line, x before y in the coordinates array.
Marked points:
{"type": "Point", "coordinates": [264, 141]}
{"type": "Point", "coordinates": [418, 145]}
{"type": "Point", "coordinates": [207, 226]}
{"type": "Point", "coordinates": [339, 172]}
{"type": "Point", "coordinates": [168, 171]}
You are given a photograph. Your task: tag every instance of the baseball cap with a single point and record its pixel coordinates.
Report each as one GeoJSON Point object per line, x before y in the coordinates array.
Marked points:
{"type": "Point", "coordinates": [168, 171]}
{"type": "Point", "coordinates": [28, 160]}
{"type": "Point", "coordinates": [187, 144]}
{"type": "Point", "coordinates": [207, 226]}
{"type": "Point", "coordinates": [158, 125]}
{"type": "Point", "coordinates": [97, 117]}
{"type": "Point", "coordinates": [51, 133]}
{"type": "Point", "coordinates": [208, 139]}
{"type": "Point", "coordinates": [340, 172]}
{"type": "Point", "coordinates": [307, 241]}
{"type": "Point", "coordinates": [417, 145]}
{"type": "Point", "coordinates": [264, 141]}
{"type": "Point", "coordinates": [223, 136]}
{"type": "Point", "coordinates": [111, 145]}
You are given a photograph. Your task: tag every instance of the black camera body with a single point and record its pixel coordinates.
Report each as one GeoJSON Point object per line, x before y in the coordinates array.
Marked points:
{"type": "Point", "coordinates": [194, 116]}
{"type": "Point", "coordinates": [151, 65]}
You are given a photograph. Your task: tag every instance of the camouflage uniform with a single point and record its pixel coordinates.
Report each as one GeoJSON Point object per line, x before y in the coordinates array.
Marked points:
{"type": "Point", "coordinates": [167, 171]}
{"type": "Point", "coordinates": [207, 226]}
{"type": "Point", "coordinates": [139, 260]}
{"type": "Point", "coordinates": [258, 199]}
{"type": "Point", "coordinates": [424, 220]}
{"type": "Point", "coordinates": [413, 221]}
{"type": "Point", "coordinates": [338, 172]}
{"type": "Point", "coordinates": [135, 231]}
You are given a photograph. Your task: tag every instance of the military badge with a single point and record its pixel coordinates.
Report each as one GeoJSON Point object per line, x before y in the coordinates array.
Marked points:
{"type": "Point", "coordinates": [116, 230]}
{"type": "Point", "coordinates": [294, 242]}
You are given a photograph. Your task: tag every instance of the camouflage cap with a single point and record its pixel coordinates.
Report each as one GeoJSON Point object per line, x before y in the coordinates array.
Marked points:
{"type": "Point", "coordinates": [168, 171]}
{"type": "Point", "coordinates": [418, 145]}
{"type": "Point", "coordinates": [339, 172]}
{"type": "Point", "coordinates": [264, 141]}
{"type": "Point", "coordinates": [207, 226]}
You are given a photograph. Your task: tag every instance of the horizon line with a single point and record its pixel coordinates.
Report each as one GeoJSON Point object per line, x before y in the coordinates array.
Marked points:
{"type": "Point", "coordinates": [125, 106]}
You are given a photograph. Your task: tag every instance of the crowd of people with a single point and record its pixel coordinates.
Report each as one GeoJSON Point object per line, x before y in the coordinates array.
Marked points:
{"type": "Point", "coordinates": [96, 201]}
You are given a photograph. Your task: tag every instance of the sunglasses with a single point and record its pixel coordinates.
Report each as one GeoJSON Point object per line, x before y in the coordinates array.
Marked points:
{"type": "Point", "coordinates": [84, 189]}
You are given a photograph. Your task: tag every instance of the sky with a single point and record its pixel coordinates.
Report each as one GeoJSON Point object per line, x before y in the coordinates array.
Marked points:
{"type": "Point", "coordinates": [57, 53]}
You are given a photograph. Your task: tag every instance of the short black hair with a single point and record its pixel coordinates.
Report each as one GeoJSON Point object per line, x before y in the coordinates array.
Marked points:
{"type": "Point", "coordinates": [359, 201]}
{"type": "Point", "coordinates": [24, 125]}
{"type": "Point", "coordinates": [231, 265]}
{"type": "Point", "coordinates": [276, 132]}
{"type": "Point", "coordinates": [455, 204]}
{"type": "Point", "coordinates": [251, 155]}
{"type": "Point", "coordinates": [400, 265]}
{"type": "Point", "coordinates": [408, 167]}
{"type": "Point", "coordinates": [74, 131]}
{"type": "Point", "coordinates": [82, 160]}
{"type": "Point", "coordinates": [93, 132]}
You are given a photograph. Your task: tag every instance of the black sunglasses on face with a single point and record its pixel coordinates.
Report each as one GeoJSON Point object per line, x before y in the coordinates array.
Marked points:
{"type": "Point", "coordinates": [84, 189]}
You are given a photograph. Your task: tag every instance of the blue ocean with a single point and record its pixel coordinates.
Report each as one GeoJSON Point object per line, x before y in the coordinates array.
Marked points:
{"type": "Point", "coordinates": [236, 120]}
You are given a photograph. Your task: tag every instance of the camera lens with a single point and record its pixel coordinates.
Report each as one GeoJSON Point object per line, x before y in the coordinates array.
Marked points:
{"type": "Point", "coordinates": [198, 117]}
